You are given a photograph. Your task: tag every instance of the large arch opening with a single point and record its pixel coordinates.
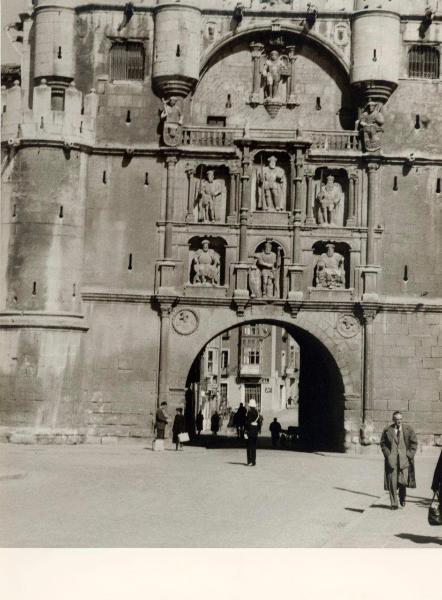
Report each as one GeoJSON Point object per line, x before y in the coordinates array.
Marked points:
{"type": "Point", "coordinates": [290, 372]}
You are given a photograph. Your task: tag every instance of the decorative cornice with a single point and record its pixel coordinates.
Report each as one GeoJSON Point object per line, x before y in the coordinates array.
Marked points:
{"type": "Point", "coordinates": [41, 320]}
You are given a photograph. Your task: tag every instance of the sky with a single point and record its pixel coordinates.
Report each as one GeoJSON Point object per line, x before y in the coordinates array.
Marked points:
{"type": "Point", "coordinates": [9, 14]}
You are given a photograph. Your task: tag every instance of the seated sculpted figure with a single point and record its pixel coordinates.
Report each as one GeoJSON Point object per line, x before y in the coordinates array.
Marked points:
{"type": "Point", "coordinates": [273, 186]}
{"type": "Point", "coordinates": [206, 265]}
{"type": "Point", "coordinates": [330, 271]}
{"type": "Point", "coordinates": [267, 262]}
{"type": "Point", "coordinates": [330, 202]}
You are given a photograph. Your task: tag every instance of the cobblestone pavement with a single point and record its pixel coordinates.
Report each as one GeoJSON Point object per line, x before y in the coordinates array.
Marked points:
{"type": "Point", "coordinates": [129, 496]}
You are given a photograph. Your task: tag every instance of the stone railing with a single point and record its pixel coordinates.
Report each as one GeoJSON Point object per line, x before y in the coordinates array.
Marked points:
{"type": "Point", "coordinates": [334, 140]}
{"type": "Point", "coordinates": [327, 141]}
{"type": "Point", "coordinates": [210, 136]}
{"type": "Point", "coordinates": [74, 124]}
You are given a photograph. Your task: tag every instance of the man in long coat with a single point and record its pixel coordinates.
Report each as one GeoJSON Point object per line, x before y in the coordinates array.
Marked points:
{"type": "Point", "coordinates": [398, 445]}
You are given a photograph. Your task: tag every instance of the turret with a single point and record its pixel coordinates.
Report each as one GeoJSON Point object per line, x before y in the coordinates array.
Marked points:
{"type": "Point", "coordinates": [375, 48]}
{"type": "Point", "coordinates": [177, 47]}
{"type": "Point", "coordinates": [54, 58]}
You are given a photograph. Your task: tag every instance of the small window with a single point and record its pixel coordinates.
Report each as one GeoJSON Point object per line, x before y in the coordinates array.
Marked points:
{"type": "Point", "coordinates": [216, 121]}
{"type": "Point", "coordinates": [423, 62]}
{"type": "Point", "coordinates": [127, 61]}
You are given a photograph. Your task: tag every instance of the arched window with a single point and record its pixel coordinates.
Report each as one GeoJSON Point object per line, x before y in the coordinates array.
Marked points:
{"type": "Point", "coordinates": [127, 61]}
{"type": "Point", "coordinates": [423, 62]}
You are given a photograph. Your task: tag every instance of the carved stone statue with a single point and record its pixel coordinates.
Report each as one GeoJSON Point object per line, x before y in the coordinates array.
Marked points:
{"type": "Point", "coordinates": [370, 124]}
{"type": "Point", "coordinates": [330, 202]}
{"type": "Point", "coordinates": [255, 281]}
{"type": "Point", "coordinates": [206, 265]}
{"type": "Point", "coordinates": [275, 67]}
{"type": "Point", "coordinates": [209, 198]}
{"type": "Point", "coordinates": [272, 184]}
{"type": "Point", "coordinates": [268, 262]}
{"type": "Point", "coordinates": [173, 120]}
{"type": "Point", "coordinates": [330, 271]}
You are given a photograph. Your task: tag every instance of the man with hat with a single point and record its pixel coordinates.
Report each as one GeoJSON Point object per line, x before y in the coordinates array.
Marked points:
{"type": "Point", "coordinates": [161, 420]}
{"type": "Point", "coordinates": [252, 429]}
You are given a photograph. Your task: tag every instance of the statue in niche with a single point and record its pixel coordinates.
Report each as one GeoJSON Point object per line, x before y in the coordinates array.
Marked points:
{"type": "Point", "coordinates": [330, 203]}
{"type": "Point", "coordinates": [173, 119]}
{"type": "Point", "coordinates": [370, 125]}
{"type": "Point", "coordinates": [272, 187]}
{"type": "Point", "coordinates": [206, 265]}
{"type": "Point", "coordinates": [330, 272]}
{"type": "Point", "coordinates": [268, 264]}
{"type": "Point", "coordinates": [209, 198]}
{"type": "Point", "coordinates": [275, 67]}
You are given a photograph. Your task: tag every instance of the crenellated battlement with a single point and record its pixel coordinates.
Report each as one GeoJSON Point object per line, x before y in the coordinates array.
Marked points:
{"type": "Point", "coordinates": [73, 125]}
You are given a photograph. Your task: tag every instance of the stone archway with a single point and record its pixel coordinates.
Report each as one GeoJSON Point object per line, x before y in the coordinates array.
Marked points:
{"type": "Point", "coordinates": [330, 376]}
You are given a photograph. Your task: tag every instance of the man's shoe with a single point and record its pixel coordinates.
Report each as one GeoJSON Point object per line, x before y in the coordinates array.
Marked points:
{"type": "Point", "coordinates": [402, 502]}
{"type": "Point", "coordinates": [395, 508]}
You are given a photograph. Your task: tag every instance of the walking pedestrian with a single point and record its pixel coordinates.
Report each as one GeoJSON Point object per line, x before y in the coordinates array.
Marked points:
{"type": "Point", "coordinates": [179, 426]}
{"type": "Point", "coordinates": [398, 445]}
{"type": "Point", "coordinates": [252, 427]}
{"type": "Point", "coordinates": [275, 431]}
{"type": "Point", "coordinates": [199, 422]}
{"type": "Point", "coordinates": [214, 423]}
{"type": "Point", "coordinates": [161, 421]}
{"type": "Point", "coordinates": [436, 486]}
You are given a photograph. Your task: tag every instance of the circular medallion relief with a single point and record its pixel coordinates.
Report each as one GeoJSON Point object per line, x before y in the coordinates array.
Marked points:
{"type": "Point", "coordinates": [185, 321]}
{"type": "Point", "coordinates": [347, 326]}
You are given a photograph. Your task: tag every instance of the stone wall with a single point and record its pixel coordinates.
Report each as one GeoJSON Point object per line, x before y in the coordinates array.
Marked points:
{"type": "Point", "coordinates": [408, 371]}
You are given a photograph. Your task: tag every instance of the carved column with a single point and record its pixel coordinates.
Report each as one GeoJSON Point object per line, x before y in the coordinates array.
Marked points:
{"type": "Point", "coordinates": [368, 383]}
{"type": "Point", "coordinates": [291, 98]}
{"type": "Point", "coordinates": [163, 367]}
{"type": "Point", "coordinates": [171, 162]}
{"type": "Point", "coordinates": [256, 50]}
{"type": "Point", "coordinates": [373, 169]}
{"type": "Point", "coordinates": [352, 191]}
{"type": "Point", "coordinates": [190, 171]}
{"type": "Point", "coordinates": [299, 176]}
{"type": "Point", "coordinates": [245, 206]}
{"type": "Point", "coordinates": [310, 219]}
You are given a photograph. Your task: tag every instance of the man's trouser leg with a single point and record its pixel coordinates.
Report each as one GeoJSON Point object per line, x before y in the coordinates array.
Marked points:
{"type": "Point", "coordinates": [402, 492]}
{"type": "Point", "coordinates": [249, 453]}
{"type": "Point", "coordinates": [392, 487]}
{"type": "Point", "coordinates": [253, 441]}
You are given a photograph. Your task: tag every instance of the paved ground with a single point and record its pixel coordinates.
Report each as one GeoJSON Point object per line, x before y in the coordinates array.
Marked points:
{"type": "Point", "coordinates": [129, 496]}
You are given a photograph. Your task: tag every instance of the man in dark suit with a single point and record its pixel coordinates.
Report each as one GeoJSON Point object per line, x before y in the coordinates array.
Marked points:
{"type": "Point", "coordinates": [161, 420]}
{"type": "Point", "coordinates": [252, 429]}
{"type": "Point", "coordinates": [398, 445]}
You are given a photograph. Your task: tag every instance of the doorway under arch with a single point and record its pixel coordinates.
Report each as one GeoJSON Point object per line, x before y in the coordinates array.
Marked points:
{"type": "Point", "coordinates": [320, 414]}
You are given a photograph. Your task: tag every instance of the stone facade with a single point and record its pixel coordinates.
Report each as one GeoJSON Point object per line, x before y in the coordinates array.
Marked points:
{"type": "Point", "coordinates": [107, 147]}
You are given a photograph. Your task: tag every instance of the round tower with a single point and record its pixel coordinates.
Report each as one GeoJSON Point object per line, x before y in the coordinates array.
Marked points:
{"type": "Point", "coordinates": [375, 48]}
{"type": "Point", "coordinates": [177, 47]}
{"type": "Point", "coordinates": [54, 58]}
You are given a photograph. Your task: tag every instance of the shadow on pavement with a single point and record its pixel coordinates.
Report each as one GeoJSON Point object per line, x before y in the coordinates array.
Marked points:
{"type": "Point", "coordinates": [241, 464]}
{"type": "Point", "coordinates": [356, 510]}
{"type": "Point", "coordinates": [356, 492]}
{"type": "Point", "coordinates": [420, 539]}
{"type": "Point", "coordinates": [213, 442]}
{"type": "Point", "coordinates": [384, 506]}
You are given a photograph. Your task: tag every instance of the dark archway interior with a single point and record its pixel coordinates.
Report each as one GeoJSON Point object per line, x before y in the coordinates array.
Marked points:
{"type": "Point", "coordinates": [321, 393]}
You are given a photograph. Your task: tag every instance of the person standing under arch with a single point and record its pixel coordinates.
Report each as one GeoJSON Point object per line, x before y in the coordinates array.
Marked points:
{"type": "Point", "coordinates": [252, 429]}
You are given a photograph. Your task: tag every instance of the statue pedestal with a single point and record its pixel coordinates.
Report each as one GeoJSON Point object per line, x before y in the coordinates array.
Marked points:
{"type": "Point", "coordinates": [370, 274]}
{"type": "Point", "coordinates": [331, 294]}
{"type": "Point", "coordinates": [272, 106]}
{"type": "Point", "coordinates": [241, 294]}
{"type": "Point", "coordinates": [166, 277]}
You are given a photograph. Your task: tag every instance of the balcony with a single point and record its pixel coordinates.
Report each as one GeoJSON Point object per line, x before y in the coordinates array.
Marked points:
{"type": "Point", "coordinates": [250, 370]}
{"type": "Point", "coordinates": [319, 141]}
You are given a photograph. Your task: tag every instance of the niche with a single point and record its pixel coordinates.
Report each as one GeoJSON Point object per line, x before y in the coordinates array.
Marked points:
{"type": "Point", "coordinates": [266, 275]}
{"type": "Point", "coordinates": [331, 265]}
{"type": "Point", "coordinates": [270, 184]}
{"type": "Point", "coordinates": [330, 195]}
{"type": "Point", "coordinates": [211, 193]}
{"type": "Point", "coordinates": [207, 261]}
